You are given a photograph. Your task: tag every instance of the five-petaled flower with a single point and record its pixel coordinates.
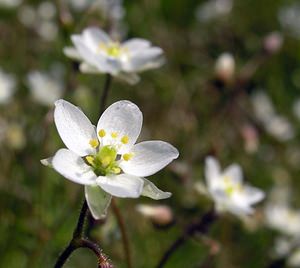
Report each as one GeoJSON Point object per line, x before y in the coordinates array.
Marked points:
{"type": "Point", "coordinates": [100, 54]}
{"type": "Point", "coordinates": [227, 189]}
{"type": "Point", "coordinates": [106, 159]}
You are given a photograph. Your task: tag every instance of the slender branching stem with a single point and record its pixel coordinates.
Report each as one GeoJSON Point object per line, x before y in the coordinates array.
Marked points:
{"type": "Point", "coordinates": [125, 240]}
{"type": "Point", "coordinates": [78, 240]}
{"type": "Point", "coordinates": [202, 226]}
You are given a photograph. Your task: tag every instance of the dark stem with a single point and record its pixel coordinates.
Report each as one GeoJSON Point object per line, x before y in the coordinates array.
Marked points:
{"type": "Point", "coordinates": [104, 94]}
{"type": "Point", "coordinates": [123, 232]}
{"type": "Point", "coordinates": [78, 232]}
{"type": "Point", "coordinates": [202, 226]}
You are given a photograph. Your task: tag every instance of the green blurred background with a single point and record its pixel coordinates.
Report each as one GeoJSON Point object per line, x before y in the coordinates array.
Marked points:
{"type": "Point", "coordinates": [187, 102]}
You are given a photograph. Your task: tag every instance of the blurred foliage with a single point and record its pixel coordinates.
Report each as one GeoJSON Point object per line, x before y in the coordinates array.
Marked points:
{"type": "Point", "coordinates": [183, 103]}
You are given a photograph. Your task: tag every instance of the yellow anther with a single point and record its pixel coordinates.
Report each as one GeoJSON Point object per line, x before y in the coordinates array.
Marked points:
{"type": "Point", "coordinates": [114, 135]}
{"type": "Point", "coordinates": [127, 157]}
{"type": "Point", "coordinates": [94, 143]}
{"type": "Point", "coordinates": [90, 159]}
{"type": "Point", "coordinates": [116, 170]}
{"type": "Point", "coordinates": [101, 133]}
{"type": "Point", "coordinates": [125, 139]}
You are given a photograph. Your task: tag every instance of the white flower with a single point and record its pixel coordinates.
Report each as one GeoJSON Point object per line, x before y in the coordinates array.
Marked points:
{"type": "Point", "coordinates": [7, 87]}
{"type": "Point", "coordinates": [106, 159]}
{"type": "Point", "coordinates": [283, 219]}
{"type": "Point", "coordinates": [45, 89]}
{"type": "Point", "coordinates": [100, 54]}
{"type": "Point", "coordinates": [227, 188]}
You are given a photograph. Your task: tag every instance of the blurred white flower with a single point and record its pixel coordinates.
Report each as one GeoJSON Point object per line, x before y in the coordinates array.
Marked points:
{"type": "Point", "coordinates": [45, 88]}
{"type": "Point", "coordinates": [159, 214]}
{"type": "Point", "coordinates": [296, 108]}
{"type": "Point", "coordinates": [108, 162]}
{"type": "Point", "coordinates": [276, 125]}
{"type": "Point", "coordinates": [213, 9]}
{"type": "Point", "coordinates": [7, 87]}
{"type": "Point", "coordinates": [10, 3]}
{"type": "Point", "coordinates": [283, 219]}
{"type": "Point", "coordinates": [227, 189]}
{"type": "Point", "coordinates": [289, 18]}
{"type": "Point", "coordinates": [294, 258]}
{"type": "Point", "coordinates": [100, 54]}
{"type": "Point", "coordinates": [225, 67]}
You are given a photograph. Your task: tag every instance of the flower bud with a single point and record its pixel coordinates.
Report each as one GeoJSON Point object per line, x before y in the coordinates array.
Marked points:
{"type": "Point", "coordinates": [225, 67]}
{"type": "Point", "coordinates": [160, 215]}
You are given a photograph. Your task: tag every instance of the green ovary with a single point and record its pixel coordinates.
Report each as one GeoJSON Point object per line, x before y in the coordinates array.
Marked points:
{"type": "Point", "coordinates": [104, 162]}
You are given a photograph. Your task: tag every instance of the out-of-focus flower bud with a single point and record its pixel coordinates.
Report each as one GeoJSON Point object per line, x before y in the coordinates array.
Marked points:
{"type": "Point", "coordinates": [161, 215]}
{"type": "Point", "coordinates": [273, 42]}
{"type": "Point", "coordinates": [225, 67]}
{"type": "Point", "coordinates": [250, 136]}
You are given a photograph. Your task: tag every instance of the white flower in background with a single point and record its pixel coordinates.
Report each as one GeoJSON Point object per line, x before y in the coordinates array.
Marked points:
{"type": "Point", "coordinates": [100, 54]}
{"type": "Point", "coordinates": [7, 87]}
{"type": "Point", "coordinates": [10, 3]}
{"type": "Point", "coordinates": [289, 18]}
{"type": "Point", "coordinates": [276, 125]}
{"type": "Point", "coordinates": [106, 159]}
{"type": "Point", "coordinates": [225, 67]}
{"type": "Point", "coordinates": [159, 214]}
{"type": "Point", "coordinates": [213, 9]}
{"type": "Point", "coordinates": [227, 189]}
{"type": "Point", "coordinates": [283, 219]}
{"type": "Point", "coordinates": [45, 88]}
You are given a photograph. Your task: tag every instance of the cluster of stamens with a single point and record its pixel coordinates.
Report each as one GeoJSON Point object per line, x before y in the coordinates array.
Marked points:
{"type": "Point", "coordinates": [112, 49]}
{"type": "Point", "coordinates": [106, 159]}
{"type": "Point", "coordinates": [230, 186]}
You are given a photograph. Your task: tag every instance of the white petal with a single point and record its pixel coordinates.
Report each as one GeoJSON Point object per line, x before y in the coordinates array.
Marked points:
{"type": "Point", "coordinates": [93, 37]}
{"type": "Point", "coordinates": [72, 53]}
{"type": "Point", "coordinates": [235, 172]}
{"type": "Point", "coordinates": [149, 157]}
{"type": "Point", "coordinates": [150, 190]}
{"type": "Point", "coordinates": [212, 168]}
{"type": "Point", "coordinates": [136, 44]}
{"type": "Point", "coordinates": [74, 128]}
{"type": "Point", "coordinates": [130, 78]}
{"type": "Point", "coordinates": [143, 59]}
{"type": "Point", "coordinates": [87, 68]}
{"type": "Point", "coordinates": [72, 167]}
{"type": "Point", "coordinates": [97, 200]}
{"type": "Point", "coordinates": [253, 194]}
{"type": "Point", "coordinates": [123, 185]}
{"type": "Point", "coordinates": [88, 55]}
{"type": "Point", "coordinates": [47, 161]}
{"type": "Point", "coordinates": [124, 118]}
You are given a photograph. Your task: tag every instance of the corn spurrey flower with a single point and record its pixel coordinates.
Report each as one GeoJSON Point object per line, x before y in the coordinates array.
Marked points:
{"type": "Point", "coordinates": [100, 54]}
{"type": "Point", "coordinates": [7, 87]}
{"type": "Point", "coordinates": [227, 189]}
{"type": "Point", "coordinates": [105, 158]}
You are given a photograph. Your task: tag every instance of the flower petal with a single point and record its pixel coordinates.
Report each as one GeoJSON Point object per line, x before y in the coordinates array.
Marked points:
{"type": "Point", "coordinates": [130, 78]}
{"type": "Point", "coordinates": [144, 59]}
{"type": "Point", "coordinates": [72, 167]}
{"type": "Point", "coordinates": [235, 172]}
{"type": "Point", "coordinates": [150, 190]}
{"type": "Point", "coordinates": [93, 37]}
{"type": "Point", "coordinates": [123, 118]}
{"type": "Point", "coordinates": [149, 157]}
{"type": "Point", "coordinates": [97, 200]}
{"type": "Point", "coordinates": [74, 128]}
{"type": "Point", "coordinates": [212, 169]}
{"type": "Point", "coordinates": [47, 162]}
{"type": "Point", "coordinates": [136, 44]}
{"type": "Point", "coordinates": [123, 185]}
{"type": "Point", "coordinates": [72, 53]}
{"type": "Point", "coordinates": [253, 194]}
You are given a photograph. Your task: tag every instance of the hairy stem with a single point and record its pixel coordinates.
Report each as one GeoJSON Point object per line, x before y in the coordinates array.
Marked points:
{"type": "Point", "coordinates": [202, 226]}
{"type": "Point", "coordinates": [125, 240]}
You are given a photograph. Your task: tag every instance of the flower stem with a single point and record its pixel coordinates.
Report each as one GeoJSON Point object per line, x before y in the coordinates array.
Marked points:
{"type": "Point", "coordinates": [202, 226]}
{"type": "Point", "coordinates": [123, 232]}
{"type": "Point", "coordinates": [104, 94]}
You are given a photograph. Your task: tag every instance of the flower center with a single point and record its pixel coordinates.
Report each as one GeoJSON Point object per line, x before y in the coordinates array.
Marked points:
{"type": "Point", "coordinates": [230, 187]}
{"type": "Point", "coordinates": [104, 162]}
{"type": "Point", "coordinates": [112, 49]}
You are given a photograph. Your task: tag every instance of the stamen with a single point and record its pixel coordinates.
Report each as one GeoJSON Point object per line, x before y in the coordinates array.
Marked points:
{"type": "Point", "coordinates": [114, 135]}
{"type": "Point", "coordinates": [90, 159]}
{"type": "Point", "coordinates": [116, 170]}
{"type": "Point", "coordinates": [101, 133]}
{"type": "Point", "coordinates": [127, 157]}
{"type": "Point", "coordinates": [125, 139]}
{"type": "Point", "coordinates": [94, 143]}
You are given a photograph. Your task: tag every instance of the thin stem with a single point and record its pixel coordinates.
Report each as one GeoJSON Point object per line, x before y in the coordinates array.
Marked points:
{"type": "Point", "coordinates": [104, 94]}
{"type": "Point", "coordinates": [64, 255]}
{"type": "Point", "coordinates": [202, 226]}
{"type": "Point", "coordinates": [125, 240]}
{"type": "Point", "coordinates": [79, 230]}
